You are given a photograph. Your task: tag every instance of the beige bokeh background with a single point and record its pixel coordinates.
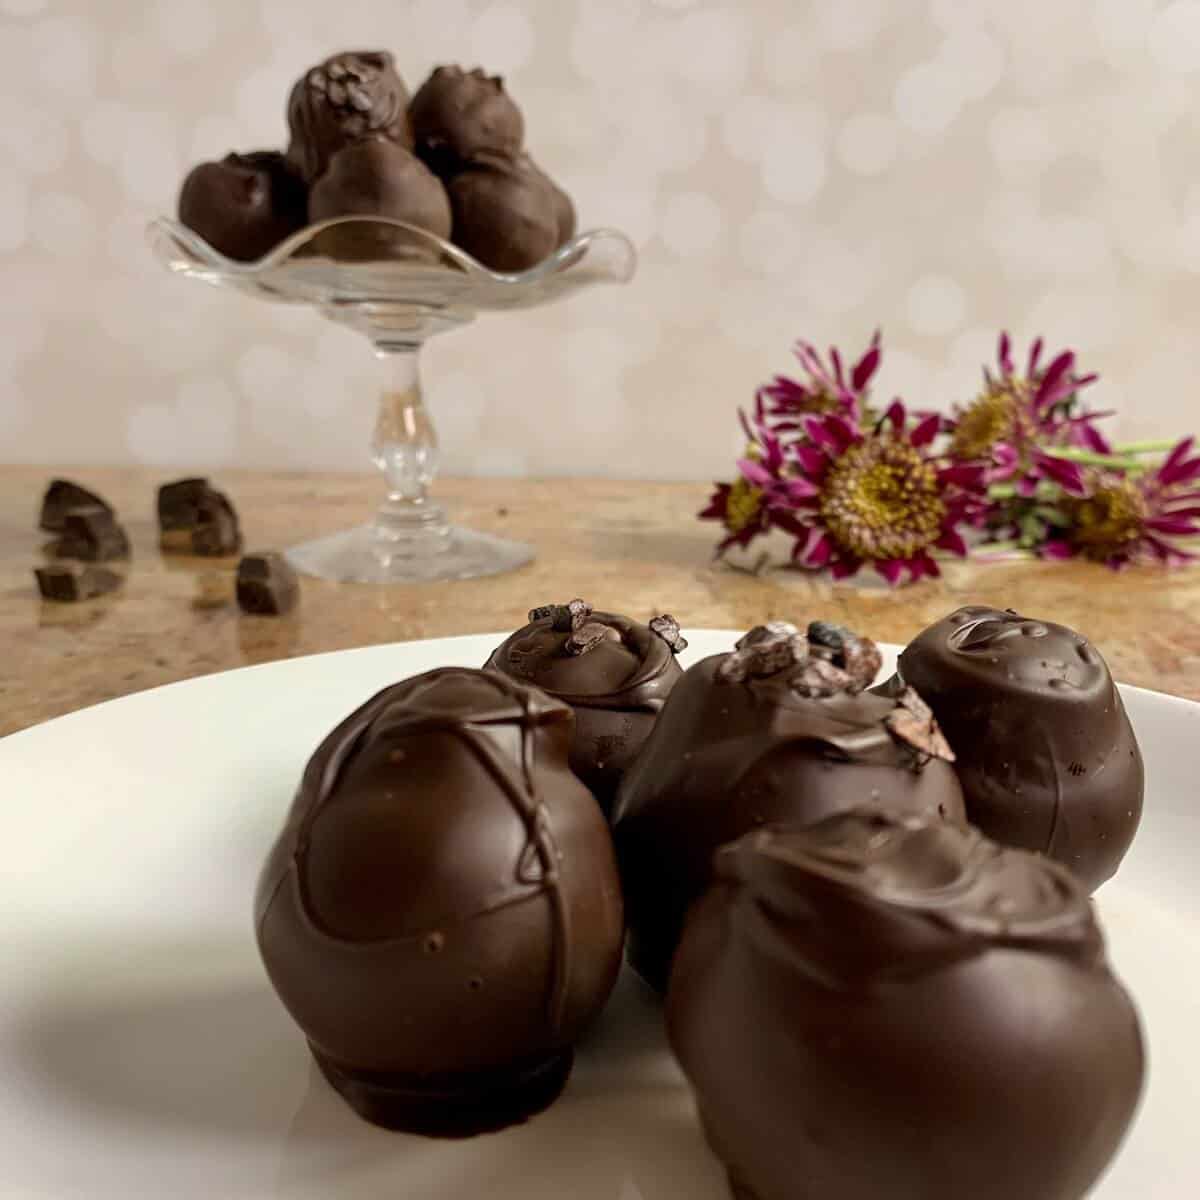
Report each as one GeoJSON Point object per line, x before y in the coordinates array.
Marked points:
{"type": "Point", "coordinates": [819, 167]}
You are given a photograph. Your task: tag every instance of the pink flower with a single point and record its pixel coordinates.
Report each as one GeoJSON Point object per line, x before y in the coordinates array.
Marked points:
{"type": "Point", "coordinates": [879, 497]}
{"type": "Point", "coordinates": [1123, 519]}
{"type": "Point", "coordinates": [1020, 418]}
{"type": "Point", "coordinates": [825, 388]}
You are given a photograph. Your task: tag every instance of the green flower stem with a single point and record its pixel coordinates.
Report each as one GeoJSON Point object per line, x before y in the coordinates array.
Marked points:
{"type": "Point", "coordinates": [1089, 458]}
{"type": "Point", "coordinates": [1144, 448]}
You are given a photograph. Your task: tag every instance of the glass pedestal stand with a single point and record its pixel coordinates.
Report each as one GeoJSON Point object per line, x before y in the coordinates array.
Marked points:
{"type": "Point", "coordinates": [398, 286]}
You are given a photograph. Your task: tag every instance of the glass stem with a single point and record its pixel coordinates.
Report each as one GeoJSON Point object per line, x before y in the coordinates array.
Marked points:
{"type": "Point", "coordinates": [405, 448]}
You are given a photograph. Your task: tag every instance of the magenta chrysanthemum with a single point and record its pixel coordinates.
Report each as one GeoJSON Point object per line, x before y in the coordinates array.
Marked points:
{"type": "Point", "coordinates": [879, 497]}
{"type": "Point", "coordinates": [1020, 418]}
{"type": "Point", "coordinates": [1125, 519]}
{"type": "Point", "coordinates": [827, 387]}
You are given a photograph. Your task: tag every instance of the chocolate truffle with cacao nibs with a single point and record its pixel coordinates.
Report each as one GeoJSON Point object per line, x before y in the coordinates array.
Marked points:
{"type": "Point", "coordinates": [441, 914]}
{"type": "Point", "coordinates": [614, 672]}
{"type": "Point", "coordinates": [1046, 755]}
{"type": "Point", "coordinates": [781, 730]}
{"type": "Point", "coordinates": [348, 97]}
{"type": "Point", "coordinates": [887, 1006]}
{"type": "Point", "coordinates": [244, 205]}
{"type": "Point", "coordinates": [458, 116]}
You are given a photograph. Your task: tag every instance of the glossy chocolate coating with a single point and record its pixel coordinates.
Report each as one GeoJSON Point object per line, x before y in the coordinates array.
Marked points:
{"type": "Point", "coordinates": [244, 205]}
{"type": "Point", "coordinates": [505, 215]}
{"type": "Point", "coordinates": [459, 115]}
{"type": "Point", "coordinates": [882, 1006]}
{"type": "Point", "coordinates": [616, 685]}
{"type": "Point", "coordinates": [727, 757]}
{"type": "Point", "coordinates": [62, 495]}
{"type": "Point", "coordinates": [376, 178]}
{"type": "Point", "coordinates": [1046, 754]}
{"type": "Point", "coordinates": [350, 96]}
{"type": "Point", "coordinates": [441, 914]}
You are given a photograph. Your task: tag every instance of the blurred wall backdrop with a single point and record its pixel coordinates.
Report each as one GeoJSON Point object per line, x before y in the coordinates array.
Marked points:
{"type": "Point", "coordinates": [937, 167]}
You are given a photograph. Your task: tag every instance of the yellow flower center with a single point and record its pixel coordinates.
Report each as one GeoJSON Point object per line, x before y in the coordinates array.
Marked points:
{"type": "Point", "coordinates": [1110, 519]}
{"type": "Point", "coordinates": [996, 416]}
{"type": "Point", "coordinates": [881, 501]}
{"type": "Point", "coordinates": [741, 508]}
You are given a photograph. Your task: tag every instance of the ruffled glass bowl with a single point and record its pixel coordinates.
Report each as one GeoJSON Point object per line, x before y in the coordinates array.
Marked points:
{"type": "Point", "coordinates": [398, 285]}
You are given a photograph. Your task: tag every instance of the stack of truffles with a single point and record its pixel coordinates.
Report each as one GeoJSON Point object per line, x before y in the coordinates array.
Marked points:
{"type": "Point", "coordinates": [867, 905]}
{"type": "Point", "coordinates": [451, 160]}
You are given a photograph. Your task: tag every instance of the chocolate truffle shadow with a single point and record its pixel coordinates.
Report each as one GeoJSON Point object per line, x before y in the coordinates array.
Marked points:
{"type": "Point", "coordinates": [204, 1057]}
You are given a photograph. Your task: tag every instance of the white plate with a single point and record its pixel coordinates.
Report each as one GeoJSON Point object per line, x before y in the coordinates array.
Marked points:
{"type": "Point", "coordinates": [143, 1054]}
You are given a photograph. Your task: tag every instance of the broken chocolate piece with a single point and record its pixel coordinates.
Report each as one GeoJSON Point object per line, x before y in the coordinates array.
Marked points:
{"type": "Point", "coordinates": [69, 582]}
{"type": "Point", "coordinates": [217, 533]}
{"type": "Point", "coordinates": [179, 503]}
{"type": "Point", "coordinates": [92, 535]}
{"type": "Point", "coordinates": [194, 518]}
{"type": "Point", "coordinates": [267, 585]}
{"type": "Point", "coordinates": [61, 497]}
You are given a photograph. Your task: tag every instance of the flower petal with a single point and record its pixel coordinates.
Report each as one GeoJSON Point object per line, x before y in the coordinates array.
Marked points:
{"type": "Point", "coordinates": [796, 489]}
{"type": "Point", "coordinates": [843, 568]}
{"type": "Point", "coordinates": [1035, 356]}
{"type": "Point", "coordinates": [1004, 354]}
{"type": "Point", "coordinates": [755, 473]}
{"type": "Point", "coordinates": [1068, 475]}
{"type": "Point", "coordinates": [891, 569]}
{"type": "Point", "coordinates": [1175, 462]}
{"type": "Point", "coordinates": [866, 366]}
{"type": "Point", "coordinates": [1057, 549]}
{"type": "Point", "coordinates": [952, 541]}
{"type": "Point", "coordinates": [967, 475]}
{"type": "Point", "coordinates": [810, 460]}
{"type": "Point", "coordinates": [927, 429]}
{"type": "Point", "coordinates": [1056, 383]}
{"type": "Point", "coordinates": [896, 415]}
{"type": "Point", "coordinates": [819, 549]}
{"type": "Point", "coordinates": [1173, 524]}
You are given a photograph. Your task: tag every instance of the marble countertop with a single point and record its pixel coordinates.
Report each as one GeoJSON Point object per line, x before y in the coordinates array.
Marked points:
{"type": "Point", "coordinates": [631, 547]}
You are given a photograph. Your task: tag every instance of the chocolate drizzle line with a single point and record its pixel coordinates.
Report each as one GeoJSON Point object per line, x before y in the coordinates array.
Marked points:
{"type": "Point", "coordinates": [522, 794]}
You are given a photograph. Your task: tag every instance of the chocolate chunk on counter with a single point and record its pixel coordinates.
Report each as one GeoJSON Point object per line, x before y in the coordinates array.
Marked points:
{"type": "Point", "coordinates": [92, 535]}
{"type": "Point", "coordinates": [179, 503]}
{"type": "Point", "coordinates": [69, 582]}
{"type": "Point", "coordinates": [61, 497]}
{"type": "Point", "coordinates": [267, 585]}
{"type": "Point", "coordinates": [194, 518]}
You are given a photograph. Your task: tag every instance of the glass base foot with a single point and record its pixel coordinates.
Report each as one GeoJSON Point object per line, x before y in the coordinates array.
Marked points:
{"type": "Point", "coordinates": [362, 555]}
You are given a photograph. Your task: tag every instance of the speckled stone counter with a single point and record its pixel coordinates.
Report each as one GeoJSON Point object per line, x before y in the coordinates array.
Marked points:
{"type": "Point", "coordinates": [633, 547]}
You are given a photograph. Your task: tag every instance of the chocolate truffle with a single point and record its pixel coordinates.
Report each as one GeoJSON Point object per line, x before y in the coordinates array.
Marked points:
{"type": "Point", "coordinates": [244, 205]}
{"type": "Point", "coordinates": [459, 115]}
{"type": "Point", "coordinates": [376, 178]}
{"type": "Point", "coordinates": [350, 96]}
{"type": "Point", "coordinates": [894, 1006]}
{"type": "Point", "coordinates": [506, 216]}
{"type": "Point", "coordinates": [778, 731]}
{"type": "Point", "coordinates": [1046, 754]}
{"type": "Point", "coordinates": [564, 206]}
{"type": "Point", "coordinates": [614, 672]}
{"type": "Point", "coordinates": [441, 914]}
{"type": "Point", "coordinates": [61, 497]}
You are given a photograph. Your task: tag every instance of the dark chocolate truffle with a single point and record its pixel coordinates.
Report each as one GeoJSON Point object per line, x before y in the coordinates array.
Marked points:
{"type": "Point", "coordinates": [377, 178]}
{"type": "Point", "coordinates": [1046, 754]}
{"type": "Point", "coordinates": [564, 206]}
{"type": "Point", "coordinates": [458, 115]}
{"type": "Point", "coordinates": [506, 216]}
{"type": "Point", "coordinates": [61, 497]}
{"type": "Point", "coordinates": [441, 914]}
{"type": "Point", "coordinates": [614, 672]}
{"type": "Point", "coordinates": [350, 96]}
{"type": "Point", "coordinates": [778, 731]}
{"type": "Point", "coordinates": [893, 1006]}
{"type": "Point", "coordinates": [244, 205]}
